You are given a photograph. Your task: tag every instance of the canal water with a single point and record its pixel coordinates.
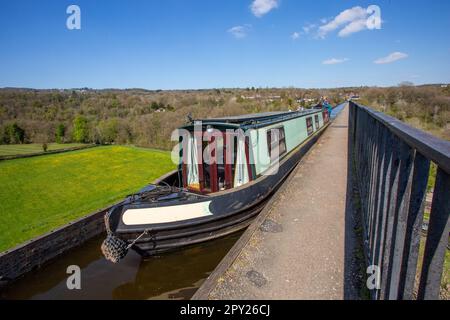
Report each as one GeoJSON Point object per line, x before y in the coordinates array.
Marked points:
{"type": "Point", "coordinates": [175, 275]}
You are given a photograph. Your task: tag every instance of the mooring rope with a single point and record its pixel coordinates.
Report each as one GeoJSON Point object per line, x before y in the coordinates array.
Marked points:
{"type": "Point", "coordinates": [137, 239]}
{"type": "Point", "coordinates": [106, 221]}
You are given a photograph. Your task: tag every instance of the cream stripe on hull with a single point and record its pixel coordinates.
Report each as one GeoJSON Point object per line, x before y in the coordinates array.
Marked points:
{"type": "Point", "coordinates": [133, 217]}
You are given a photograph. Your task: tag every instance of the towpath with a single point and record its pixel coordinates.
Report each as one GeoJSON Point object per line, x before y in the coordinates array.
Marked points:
{"type": "Point", "coordinates": [303, 246]}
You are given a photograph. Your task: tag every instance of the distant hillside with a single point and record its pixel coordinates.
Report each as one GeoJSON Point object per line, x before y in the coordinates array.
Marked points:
{"type": "Point", "coordinates": [147, 118]}
{"type": "Point", "coordinates": [425, 107]}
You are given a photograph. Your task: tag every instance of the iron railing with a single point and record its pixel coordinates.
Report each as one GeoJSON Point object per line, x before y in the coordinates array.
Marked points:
{"type": "Point", "coordinates": [391, 162]}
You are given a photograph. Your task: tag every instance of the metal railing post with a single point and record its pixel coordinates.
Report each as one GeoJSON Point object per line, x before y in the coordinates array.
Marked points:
{"type": "Point", "coordinates": [391, 166]}
{"type": "Point", "coordinates": [437, 239]}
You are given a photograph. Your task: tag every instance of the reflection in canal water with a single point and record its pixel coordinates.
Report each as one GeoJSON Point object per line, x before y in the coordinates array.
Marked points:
{"type": "Point", "coordinates": [175, 275]}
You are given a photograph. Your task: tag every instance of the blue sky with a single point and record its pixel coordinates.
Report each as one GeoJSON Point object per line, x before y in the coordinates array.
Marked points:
{"type": "Point", "coordinates": [180, 44]}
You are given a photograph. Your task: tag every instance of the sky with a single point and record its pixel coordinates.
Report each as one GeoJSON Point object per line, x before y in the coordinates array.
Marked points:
{"type": "Point", "coordinates": [194, 44]}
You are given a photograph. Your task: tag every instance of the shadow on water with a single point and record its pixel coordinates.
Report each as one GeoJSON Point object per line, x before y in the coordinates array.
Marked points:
{"type": "Point", "coordinates": [175, 275]}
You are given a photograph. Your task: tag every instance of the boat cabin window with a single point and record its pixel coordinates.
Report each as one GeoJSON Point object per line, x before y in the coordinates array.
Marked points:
{"type": "Point", "coordinates": [209, 172]}
{"type": "Point", "coordinates": [225, 170]}
{"type": "Point", "coordinates": [191, 173]}
{"type": "Point", "coordinates": [309, 126]}
{"type": "Point", "coordinates": [316, 119]}
{"type": "Point", "coordinates": [276, 138]}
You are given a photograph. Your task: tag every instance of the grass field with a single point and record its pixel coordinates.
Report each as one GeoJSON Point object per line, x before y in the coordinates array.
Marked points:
{"type": "Point", "coordinates": [17, 149]}
{"type": "Point", "coordinates": [41, 193]}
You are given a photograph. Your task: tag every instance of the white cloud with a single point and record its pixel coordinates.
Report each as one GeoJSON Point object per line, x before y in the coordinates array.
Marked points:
{"type": "Point", "coordinates": [239, 32]}
{"type": "Point", "coordinates": [353, 27]}
{"type": "Point", "coordinates": [295, 35]}
{"type": "Point", "coordinates": [308, 28]}
{"type": "Point", "coordinates": [334, 61]}
{"type": "Point", "coordinates": [395, 56]}
{"type": "Point", "coordinates": [351, 19]}
{"type": "Point", "coordinates": [262, 7]}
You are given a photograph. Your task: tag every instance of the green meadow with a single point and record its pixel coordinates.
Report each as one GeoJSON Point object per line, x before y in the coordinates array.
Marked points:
{"type": "Point", "coordinates": [42, 193]}
{"type": "Point", "coordinates": [18, 149]}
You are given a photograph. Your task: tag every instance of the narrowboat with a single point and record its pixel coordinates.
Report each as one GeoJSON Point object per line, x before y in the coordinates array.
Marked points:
{"type": "Point", "coordinates": [227, 170]}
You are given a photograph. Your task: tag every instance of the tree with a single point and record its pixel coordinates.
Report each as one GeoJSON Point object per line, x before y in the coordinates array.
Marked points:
{"type": "Point", "coordinates": [107, 131]}
{"type": "Point", "coordinates": [154, 106]}
{"type": "Point", "coordinates": [60, 133]}
{"type": "Point", "coordinates": [13, 134]}
{"type": "Point", "coordinates": [290, 102]}
{"type": "Point", "coordinates": [80, 129]}
{"type": "Point", "coordinates": [4, 139]}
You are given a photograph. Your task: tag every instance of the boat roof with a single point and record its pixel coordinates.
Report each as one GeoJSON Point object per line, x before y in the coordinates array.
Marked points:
{"type": "Point", "coordinates": [248, 117]}
{"type": "Point", "coordinates": [248, 121]}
